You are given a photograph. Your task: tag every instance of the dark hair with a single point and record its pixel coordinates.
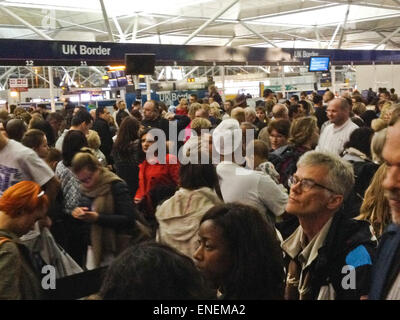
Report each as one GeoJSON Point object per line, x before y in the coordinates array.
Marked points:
{"type": "Point", "coordinates": [305, 105]}
{"type": "Point", "coordinates": [137, 115]}
{"type": "Point", "coordinates": [73, 142]}
{"type": "Point", "coordinates": [33, 138]}
{"type": "Point", "coordinates": [121, 115]}
{"type": "Point", "coordinates": [44, 126]}
{"type": "Point", "coordinates": [194, 96]}
{"type": "Point", "coordinates": [53, 155]}
{"type": "Point", "coordinates": [127, 134]}
{"type": "Point", "coordinates": [99, 111]}
{"type": "Point", "coordinates": [267, 92]}
{"type": "Point", "coordinates": [16, 129]}
{"type": "Point", "coordinates": [80, 117]}
{"type": "Point", "coordinates": [196, 176]}
{"type": "Point", "coordinates": [358, 121]}
{"type": "Point", "coordinates": [280, 125]}
{"type": "Point", "coordinates": [368, 116]}
{"type": "Point", "coordinates": [12, 108]}
{"type": "Point", "coordinates": [317, 99]}
{"type": "Point", "coordinates": [153, 271]}
{"type": "Point", "coordinates": [257, 262]}
{"type": "Point", "coordinates": [360, 139]}
{"type": "Point", "coordinates": [293, 108]}
{"type": "Point", "coordinates": [295, 97]}
{"type": "Point", "coordinates": [57, 116]}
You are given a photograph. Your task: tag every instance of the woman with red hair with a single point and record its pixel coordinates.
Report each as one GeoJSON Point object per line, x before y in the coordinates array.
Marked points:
{"type": "Point", "coordinates": [20, 207]}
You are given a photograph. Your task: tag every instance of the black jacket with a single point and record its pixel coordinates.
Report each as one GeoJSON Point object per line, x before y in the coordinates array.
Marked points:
{"type": "Point", "coordinates": [387, 263]}
{"type": "Point", "coordinates": [103, 129]}
{"type": "Point", "coordinates": [125, 212]}
{"type": "Point", "coordinates": [320, 114]}
{"type": "Point", "coordinates": [159, 123]}
{"type": "Point", "coordinates": [348, 243]}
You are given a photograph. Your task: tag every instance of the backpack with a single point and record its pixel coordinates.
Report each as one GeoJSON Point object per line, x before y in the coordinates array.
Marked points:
{"type": "Point", "coordinates": [285, 161]}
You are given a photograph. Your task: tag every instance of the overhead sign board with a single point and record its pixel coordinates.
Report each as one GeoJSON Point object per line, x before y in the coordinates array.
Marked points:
{"type": "Point", "coordinates": [16, 52]}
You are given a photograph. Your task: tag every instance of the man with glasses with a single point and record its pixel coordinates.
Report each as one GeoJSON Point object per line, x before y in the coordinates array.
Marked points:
{"type": "Point", "coordinates": [329, 257]}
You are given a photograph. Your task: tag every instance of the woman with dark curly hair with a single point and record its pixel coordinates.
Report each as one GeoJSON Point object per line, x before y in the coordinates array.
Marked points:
{"type": "Point", "coordinates": [239, 253]}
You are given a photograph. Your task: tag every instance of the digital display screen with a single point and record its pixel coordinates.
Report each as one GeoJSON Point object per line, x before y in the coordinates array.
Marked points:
{"type": "Point", "coordinates": [111, 75]}
{"type": "Point", "coordinates": [319, 64]}
{"type": "Point", "coordinates": [113, 83]}
{"type": "Point", "coordinates": [140, 63]}
{"type": "Point", "coordinates": [119, 73]}
{"type": "Point", "coordinates": [122, 82]}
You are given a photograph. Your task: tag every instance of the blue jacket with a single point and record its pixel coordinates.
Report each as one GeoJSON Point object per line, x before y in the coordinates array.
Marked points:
{"type": "Point", "coordinates": [385, 257]}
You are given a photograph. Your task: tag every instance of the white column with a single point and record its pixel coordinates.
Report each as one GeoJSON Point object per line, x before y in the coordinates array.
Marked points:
{"type": "Point", "coordinates": [222, 72]}
{"type": "Point", "coordinates": [51, 86]}
{"type": "Point", "coordinates": [148, 90]}
{"type": "Point", "coordinates": [333, 79]}
{"type": "Point", "coordinates": [283, 86]}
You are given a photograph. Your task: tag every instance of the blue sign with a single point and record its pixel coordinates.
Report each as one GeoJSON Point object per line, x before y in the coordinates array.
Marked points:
{"type": "Point", "coordinates": [319, 64]}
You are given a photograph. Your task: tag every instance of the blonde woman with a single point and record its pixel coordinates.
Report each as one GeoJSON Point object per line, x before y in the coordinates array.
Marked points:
{"type": "Point", "coordinates": [215, 111]}
{"type": "Point", "coordinates": [375, 207]}
{"type": "Point", "coordinates": [94, 143]}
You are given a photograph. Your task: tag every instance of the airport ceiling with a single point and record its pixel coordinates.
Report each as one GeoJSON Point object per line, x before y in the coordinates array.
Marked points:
{"type": "Point", "coordinates": [364, 24]}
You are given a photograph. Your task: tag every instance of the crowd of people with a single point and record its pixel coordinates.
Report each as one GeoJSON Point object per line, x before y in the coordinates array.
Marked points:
{"type": "Point", "coordinates": [294, 199]}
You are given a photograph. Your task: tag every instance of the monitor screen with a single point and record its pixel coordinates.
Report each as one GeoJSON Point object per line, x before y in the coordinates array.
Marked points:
{"type": "Point", "coordinates": [113, 83]}
{"type": "Point", "coordinates": [140, 63]}
{"type": "Point", "coordinates": [111, 75]}
{"type": "Point", "coordinates": [319, 64]}
{"type": "Point", "coordinates": [122, 82]}
{"type": "Point", "coordinates": [119, 73]}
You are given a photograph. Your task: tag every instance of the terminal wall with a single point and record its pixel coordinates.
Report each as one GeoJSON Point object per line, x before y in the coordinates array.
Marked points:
{"type": "Point", "coordinates": [378, 76]}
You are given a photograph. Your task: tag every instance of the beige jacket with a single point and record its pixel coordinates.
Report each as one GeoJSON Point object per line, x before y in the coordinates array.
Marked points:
{"type": "Point", "coordinates": [179, 218]}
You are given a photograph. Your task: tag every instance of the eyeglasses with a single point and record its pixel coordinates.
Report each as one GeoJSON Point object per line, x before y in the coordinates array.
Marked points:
{"type": "Point", "coordinates": [306, 184]}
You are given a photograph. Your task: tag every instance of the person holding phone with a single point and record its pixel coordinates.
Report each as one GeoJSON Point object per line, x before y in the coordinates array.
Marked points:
{"type": "Point", "coordinates": [112, 216]}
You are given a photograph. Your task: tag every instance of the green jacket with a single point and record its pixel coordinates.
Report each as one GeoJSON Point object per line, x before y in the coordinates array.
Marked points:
{"type": "Point", "coordinates": [18, 279]}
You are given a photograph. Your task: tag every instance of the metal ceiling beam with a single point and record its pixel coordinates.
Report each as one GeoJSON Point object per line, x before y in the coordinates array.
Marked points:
{"type": "Point", "coordinates": [387, 38]}
{"type": "Point", "coordinates": [361, 3]}
{"type": "Point", "coordinates": [106, 21]}
{"type": "Point", "coordinates": [135, 27]}
{"type": "Point", "coordinates": [299, 10]}
{"type": "Point", "coordinates": [118, 26]}
{"type": "Point", "coordinates": [190, 72]}
{"type": "Point", "coordinates": [229, 43]}
{"type": "Point", "coordinates": [391, 41]}
{"type": "Point", "coordinates": [7, 73]}
{"type": "Point", "coordinates": [37, 74]}
{"type": "Point", "coordinates": [344, 26]}
{"type": "Point", "coordinates": [334, 35]}
{"type": "Point", "coordinates": [24, 22]}
{"type": "Point", "coordinates": [257, 33]}
{"type": "Point", "coordinates": [71, 24]}
{"type": "Point", "coordinates": [216, 16]}
{"type": "Point", "coordinates": [159, 24]}
{"type": "Point", "coordinates": [317, 36]}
